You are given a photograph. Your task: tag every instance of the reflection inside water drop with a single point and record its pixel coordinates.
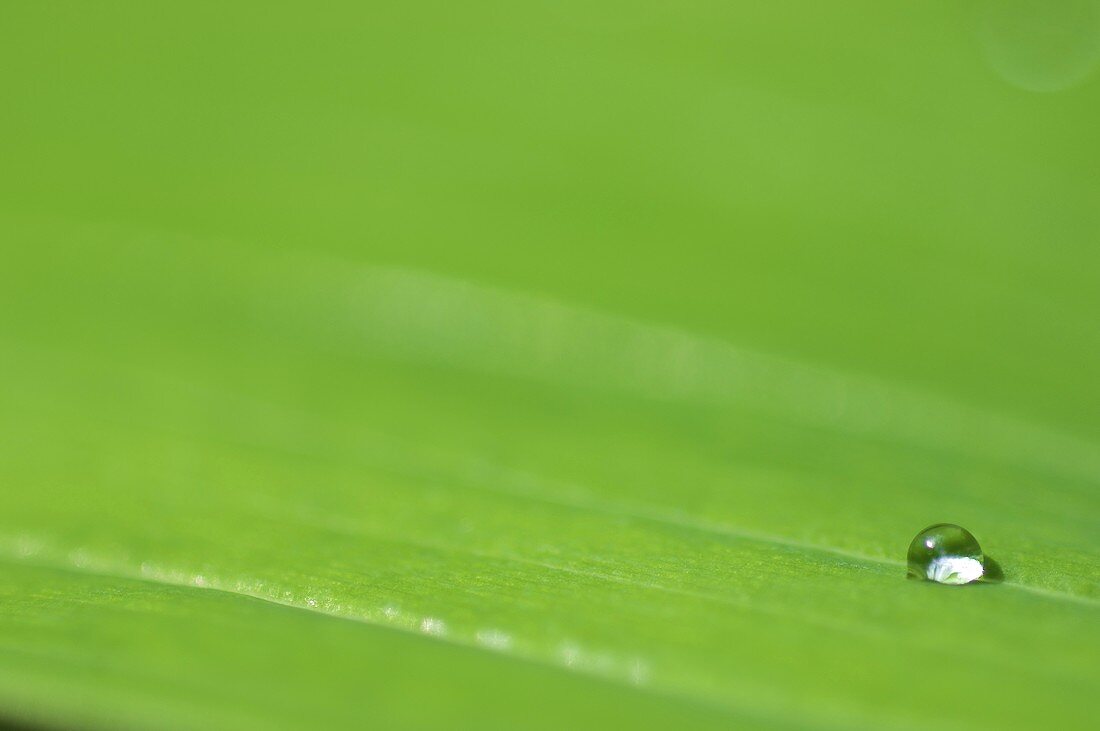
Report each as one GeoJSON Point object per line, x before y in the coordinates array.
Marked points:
{"type": "Point", "coordinates": [947, 554]}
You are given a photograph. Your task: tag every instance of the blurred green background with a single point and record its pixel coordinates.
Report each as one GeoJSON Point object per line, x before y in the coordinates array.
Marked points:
{"type": "Point", "coordinates": [547, 364]}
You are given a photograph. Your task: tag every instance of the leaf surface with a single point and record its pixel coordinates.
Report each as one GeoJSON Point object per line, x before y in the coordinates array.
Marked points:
{"type": "Point", "coordinates": [550, 365]}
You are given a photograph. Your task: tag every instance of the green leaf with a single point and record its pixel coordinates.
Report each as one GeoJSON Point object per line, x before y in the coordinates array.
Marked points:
{"type": "Point", "coordinates": [544, 365]}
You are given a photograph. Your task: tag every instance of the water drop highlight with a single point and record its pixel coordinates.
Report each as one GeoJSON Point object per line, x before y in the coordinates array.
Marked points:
{"type": "Point", "coordinates": [946, 553]}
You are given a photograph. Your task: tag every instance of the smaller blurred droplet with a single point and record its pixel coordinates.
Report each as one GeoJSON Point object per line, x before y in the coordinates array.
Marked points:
{"type": "Point", "coordinates": [433, 626]}
{"type": "Point", "coordinates": [946, 553]}
{"type": "Point", "coordinates": [494, 639]}
{"type": "Point", "coordinates": [1041, 45]}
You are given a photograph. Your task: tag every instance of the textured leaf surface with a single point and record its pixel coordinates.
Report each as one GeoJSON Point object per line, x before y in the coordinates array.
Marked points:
{"type": "Point", "coordinates": [543, 365]}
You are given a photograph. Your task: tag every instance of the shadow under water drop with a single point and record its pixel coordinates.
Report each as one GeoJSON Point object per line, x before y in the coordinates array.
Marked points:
{"type": "Point", "coordinates": [993, 573]}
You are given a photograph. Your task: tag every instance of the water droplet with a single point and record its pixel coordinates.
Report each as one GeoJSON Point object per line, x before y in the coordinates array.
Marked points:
{"type": "Point", "coordinates": [1041, 45]}
{"type": "Point", "coordinates": [946, 553]}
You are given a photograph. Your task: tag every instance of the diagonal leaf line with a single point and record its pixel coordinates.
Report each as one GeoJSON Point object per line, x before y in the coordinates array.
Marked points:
{"type": "Point", "coordinates": [443, 547]}
{"type": "Point", "coordinates": [161, 581]}
{"type": "Point", "coordinates": [475, 468]}
{"type": "Point", "coordinates": [688, 523]}
{"type": "Point", "coordinates": [331, 524]}
{"type": "Point", "coordinates": [530, 659]}
{"type": "Point", "coordinates": [1053, 594]}
{"type": "Point", "coordinates": [478, 473]}
{"type": "Point", "coordinates": [491, 478]}
{"type": "Point", "coordinates": [858, 629]}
